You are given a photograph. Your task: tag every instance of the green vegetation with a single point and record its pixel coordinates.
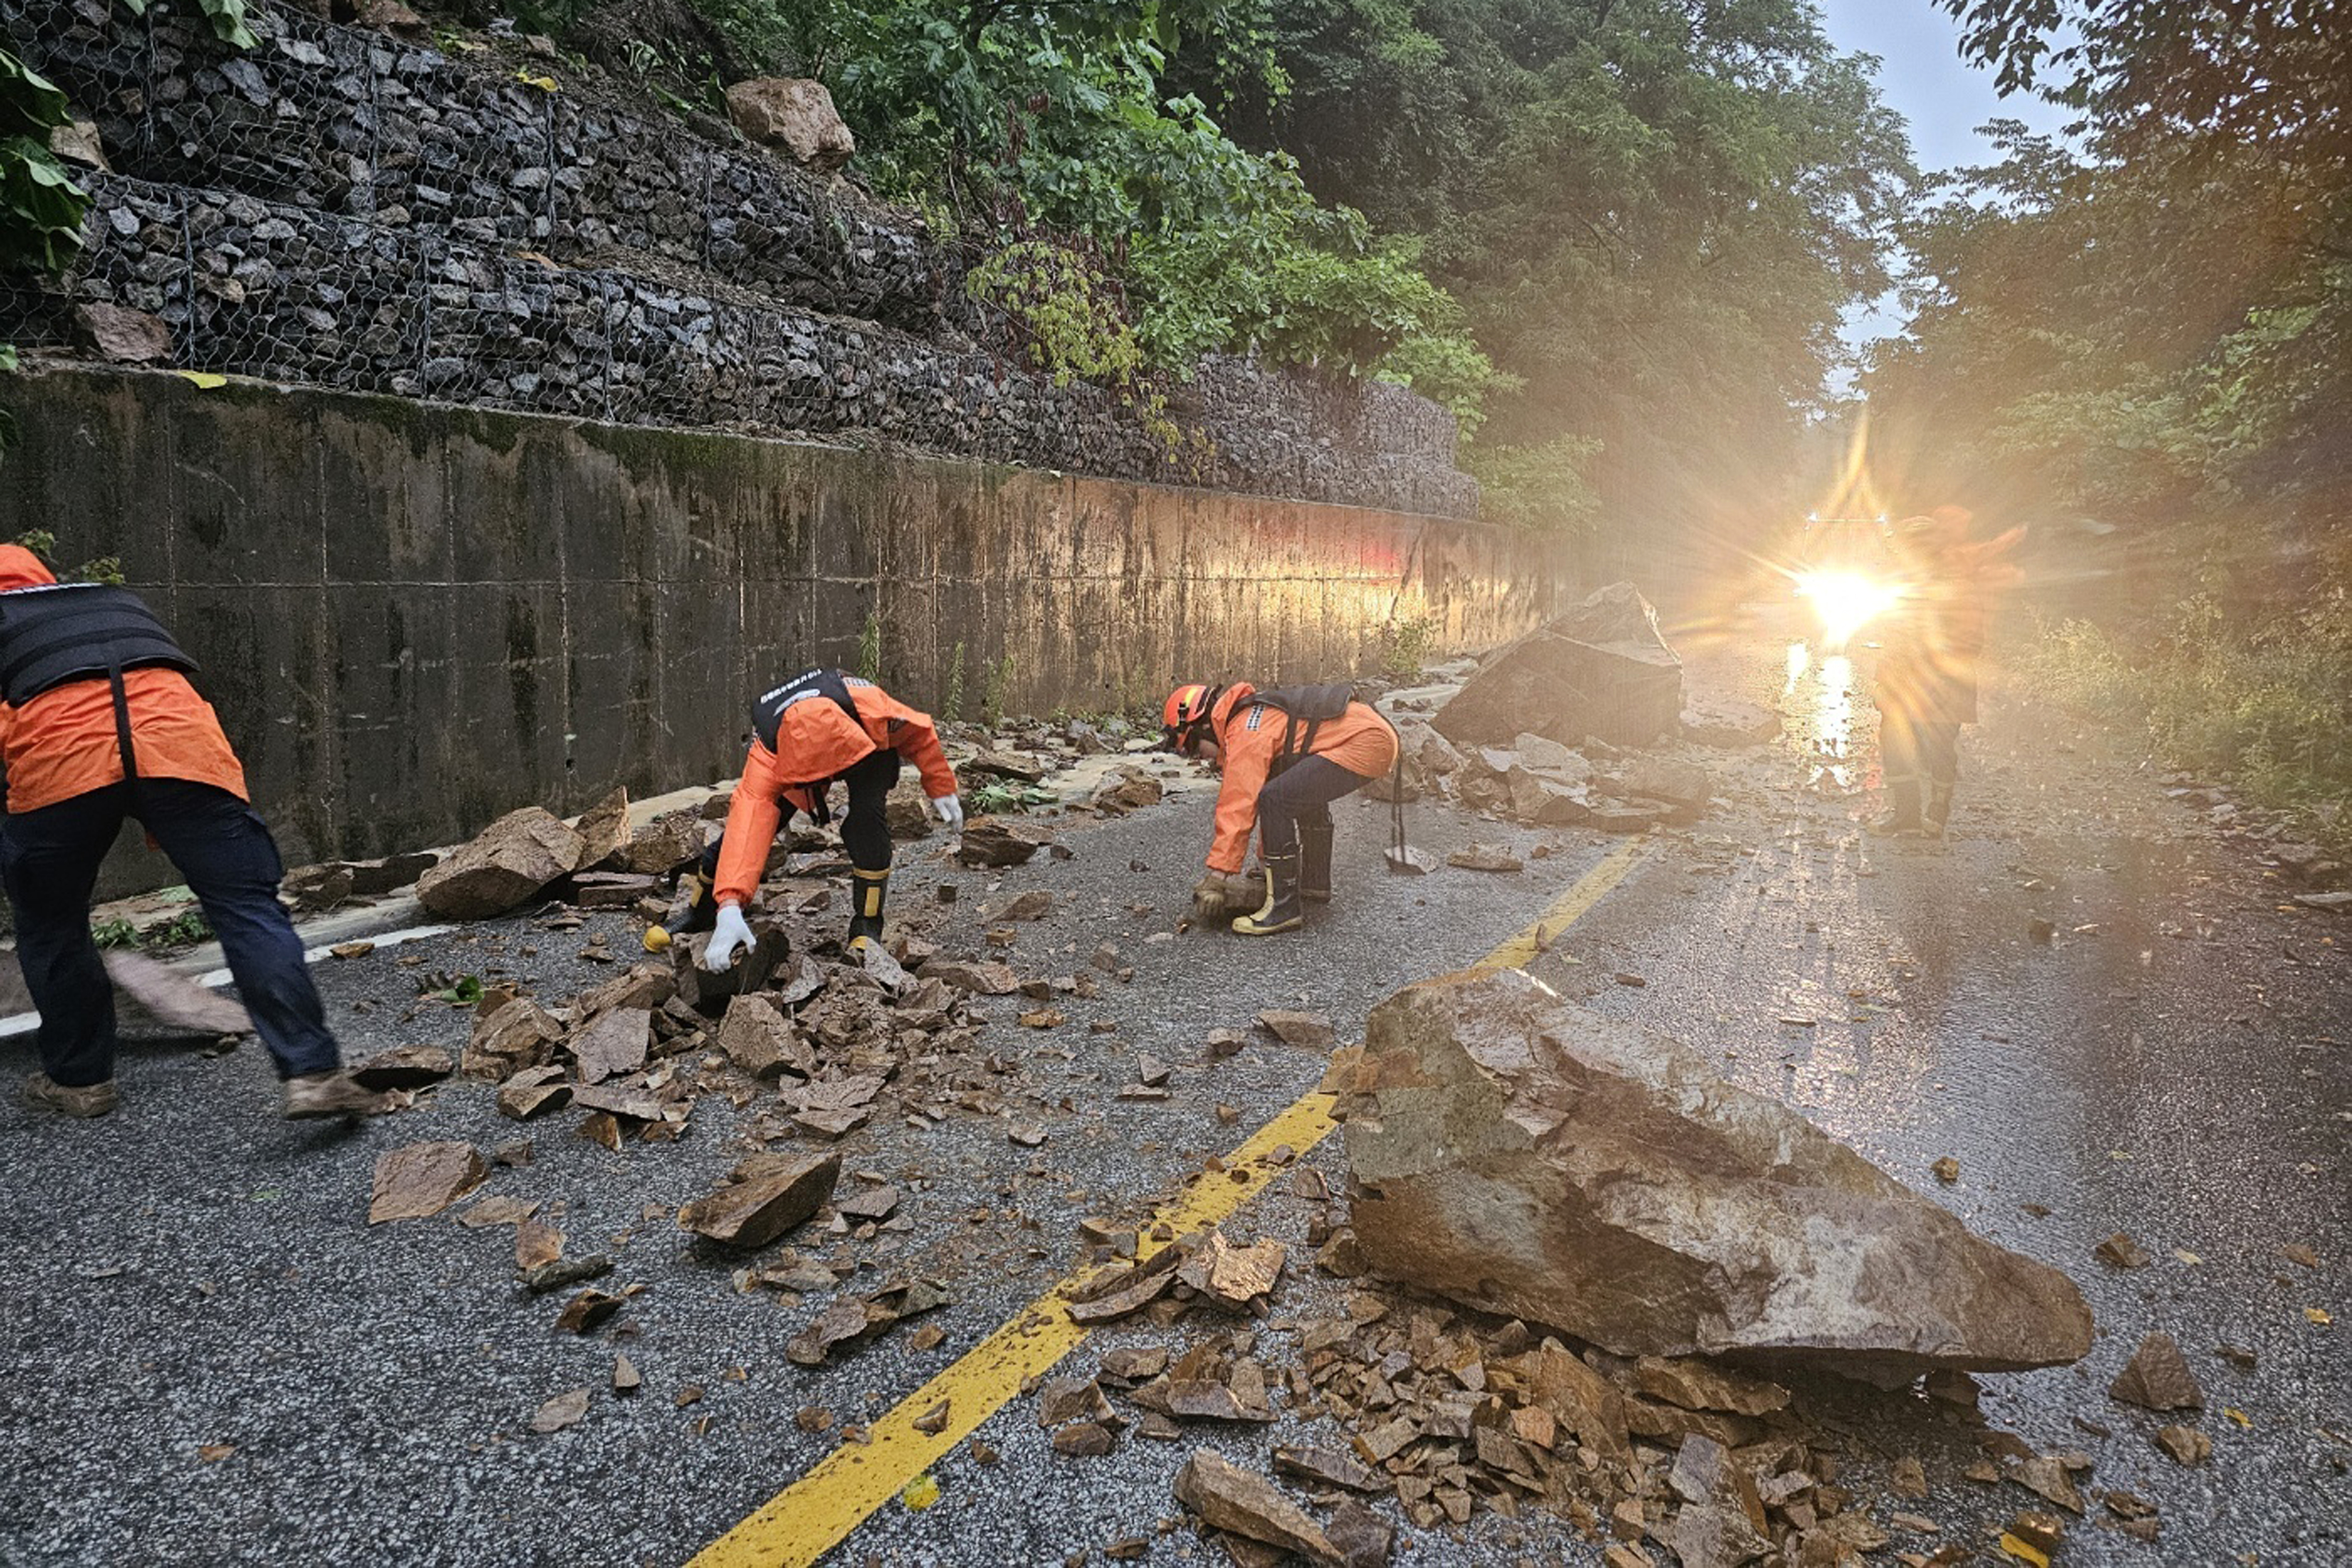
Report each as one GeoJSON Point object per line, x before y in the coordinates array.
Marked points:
{"type": "Point", "coordinates": [2152, 330]}
{"type": "Point", "coordinates": [869, 647]}
{"type": "Point", "coordinates": [992, 689]}
{"type": "Point", "coordinates": [184, 929]}
{"type": "Point", "coordinates": [1405, 645]}
{"type": "Point", "coordinates": [1612, 237]}
{"type": "Point", "coordinates": [951, 703]}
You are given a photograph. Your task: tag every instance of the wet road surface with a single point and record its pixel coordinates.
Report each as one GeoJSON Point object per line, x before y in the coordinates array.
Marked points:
{"type": "Point", "coordinates": [192, 1276]}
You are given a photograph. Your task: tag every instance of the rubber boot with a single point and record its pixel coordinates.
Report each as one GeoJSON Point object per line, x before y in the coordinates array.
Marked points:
{"type": "Point", "coordinates": [1314, 860]}
{"type": "Point", "coordinates": [693, 909]}
{"type": "Point", "coordinates": [867, 888]}
{"type": "Point", "coordinates": [1938, 811]}
{"type": "Point", "coordinates": [1902, 809]}
{"type": "Point", "coordinates": [1281, 911]}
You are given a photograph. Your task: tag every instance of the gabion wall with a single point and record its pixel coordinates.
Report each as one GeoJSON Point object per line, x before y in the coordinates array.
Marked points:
{"type": "Point", "coordinates": [339, 208]}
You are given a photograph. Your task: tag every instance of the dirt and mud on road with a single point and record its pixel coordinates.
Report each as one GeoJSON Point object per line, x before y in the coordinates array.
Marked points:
{"type": "Point", "coordinates": [504, 1324]}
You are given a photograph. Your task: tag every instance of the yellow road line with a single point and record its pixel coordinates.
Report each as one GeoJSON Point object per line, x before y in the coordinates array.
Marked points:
{"type": "Point", "coordinates": [1568, 908]}
{"type": "Point", "coordinates": [809, 1518]}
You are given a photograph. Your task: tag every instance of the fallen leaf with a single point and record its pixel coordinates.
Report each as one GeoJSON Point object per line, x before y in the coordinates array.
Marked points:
{"type": "Point", "coordinates": [920, 1492]}
{"type": "Point", "coordinates": [204, 379]}
{"type": "Point", "coordinates": [2318, 1315]}
{"type": "Point", "coordinates": [213, 1453]}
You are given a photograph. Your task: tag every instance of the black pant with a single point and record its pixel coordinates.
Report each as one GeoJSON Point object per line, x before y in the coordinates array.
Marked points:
{"type": "Point", "coordinates": [1918, 750]}
{"type": "Point", "coordinates": [866, 831]}
{"type": "Point", "coordinates": [1302, 791]}
{"type": "Point", "coordinates": [50, 860]}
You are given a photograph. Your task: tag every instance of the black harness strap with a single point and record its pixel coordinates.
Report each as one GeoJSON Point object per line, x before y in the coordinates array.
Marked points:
{"type": "Point", "coordinates": [122, 725]}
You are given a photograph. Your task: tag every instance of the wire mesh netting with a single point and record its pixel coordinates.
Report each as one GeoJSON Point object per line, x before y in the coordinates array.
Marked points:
{"type": "Point", "coordinates": [338, 207]}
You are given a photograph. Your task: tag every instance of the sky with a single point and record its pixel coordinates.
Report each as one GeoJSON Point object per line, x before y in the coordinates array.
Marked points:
{"type": "Point", "coordinates": [1923, 78]}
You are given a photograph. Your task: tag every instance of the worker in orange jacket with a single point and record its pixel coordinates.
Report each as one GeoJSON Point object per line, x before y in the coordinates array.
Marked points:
{"type": "Point", "coordinates": [1927, 678]}
{"type": "Point", "coordinates": [97, 722]}
{"type": "Point", "coordinates": [1285, 755]}
{"type": "Point", "coordinates": [820, 727]}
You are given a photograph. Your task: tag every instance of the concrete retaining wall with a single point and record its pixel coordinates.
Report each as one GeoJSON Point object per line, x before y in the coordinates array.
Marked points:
{"type": "Point", "coordinates": [413, 617]}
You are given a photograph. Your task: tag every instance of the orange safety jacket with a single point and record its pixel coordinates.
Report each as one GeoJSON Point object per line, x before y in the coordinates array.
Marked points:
{"type": "Point", "coordinates": [63, 742]}
{"type": "Point", "coordinates": [1249, 742]}
{"type": "Point", "coordinates": [815, 744]}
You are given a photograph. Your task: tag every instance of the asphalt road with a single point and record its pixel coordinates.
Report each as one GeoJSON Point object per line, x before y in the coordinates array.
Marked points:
{"type": "Point", "coordinates": [193, 1275]}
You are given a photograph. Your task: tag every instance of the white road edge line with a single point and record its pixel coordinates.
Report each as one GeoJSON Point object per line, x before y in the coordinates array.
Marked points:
{"type": "Point", "coordinates": [24, 1023]}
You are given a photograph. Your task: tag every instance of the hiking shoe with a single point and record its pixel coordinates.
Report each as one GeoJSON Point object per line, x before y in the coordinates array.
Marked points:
{"type": "Point", "coordinates": [317, 1094]}
{"type": "Point", "coordinates": [43, 1092]}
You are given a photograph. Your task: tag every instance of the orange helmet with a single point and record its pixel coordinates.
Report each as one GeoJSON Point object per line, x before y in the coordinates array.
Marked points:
{"type": "Point", "coordinates": [1186, 715]}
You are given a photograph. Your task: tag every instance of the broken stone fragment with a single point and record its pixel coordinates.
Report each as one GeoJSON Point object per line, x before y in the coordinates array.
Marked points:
{"type": "Point", "coordinates": [563, 1410]}
{"type": "Point", "coordinates": [612, 1043]}
{"type": "Point", "coordinates": [565, 1271]}
{"type": "Point", "coordinates": [421, 1179]}
{"type": "Point", "coordinates": [988, 980]}
{"type": "Point", "coordinates": [1485, 857]}
{"type": "Point", "coordinates": [515, 1034]}
{"type": "Point", "coordinates": [588, 1310]}
{"type": "Point", "coordinates": [2157, 1377]}
{"type": "Point", "coordinates": [1327, 1464]}
{"type": "Point", "coordinates": [603, 828]}
{"type": "Point", "coordinates": [612, 889]}
{"type": "Point", "coordinates": [153, 995]}
{"type": "Point", "coordinates": [1231, 1499]}
{"type": "Point", "coordinates": [660, 848]}
{"type": "Point", "coordinates": [764, 1196]}
{"type": "Point", "coordinates": [2187, 1445]}
{"type": "Point", "coordinates": [1727, 723]}
{"type": "Point", "coordinates": [627, 1380]}
{"type": "Point", "coordinates": [534, 1091]}
{"type": "Point", "coordinates": [403, 1067]}
{"type": "Point", "coordinates": [2121, 1252]}
{"type": "Point", "coordinates": [505, 865]}
{"type": "Point", "coordinates": [125, 336]}
{"type": "Point", "coordinates": [1701, 1385]}
{"type": "Point", "coordinates": [1229, 1276]}
{"type": "Point", "coordinates": [1034, 904]}
{"type": "Point", "coordinates": [1084, 1440]}
{"type": "Point", "coordinates": [993, 842]}
{"type": "Point", "coordinates": [795, 115]}
{"type": "Point", "coordinates": [536, 1246]}
{"type": "Point", "coordinates": [1308, 1032]}
{"type": "Point", "coordinates": [1362, 1538]}
{"type": "Point", "coordinates": [1535, 1159]}
{"type": "Point", "coordinates": [708, 993]}
{"type": "Point", "coordinates": [759, 1039]}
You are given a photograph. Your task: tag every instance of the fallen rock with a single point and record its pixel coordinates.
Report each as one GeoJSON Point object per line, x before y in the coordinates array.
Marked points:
{"type": "Point", "coordinates": [1229, 1276]}
{"type": "Point", "coordinates": [1485, 857]}
{"type": "Point", "coordinates": [505, 865]}
{"type": "Point", "coordinates": [709, 993]}
{"type": "Point", "coordinates": [2187, 1445]}
{"type": "Point", "coordinates": [2121, 1252]}
{"type": "Point", "coordinates": [1680, 784]}
{"type": "Point", "coordinates": [796, 116]}
{"type": "Point", "coordinates": [602, 827]}
{"type": "Point", "coordinates": [1729, 723]}
{"type": "Point", "coordinates": [1701, 1385]}
{"type": "Point", "coordinates": [2157, 1377]}
{"type": "Point", "coordinates": [423, 1180]}
{"type": "Point", "coordinates": [612, 1043]}
{"type": "Point", "coordinates": [534, 1091]}
{"type": "Point", "coordinates": [1547, 802]}
{"type": "Point", "coordinates": [1540, 1161]}
{"type": "Point", "coordinates": [159, 997]}
{"type": "Point", "coordinates": [763, 1196]}
{"type": "Point", "coordinates": [660, 848]}
{"type": "Point", "coordinates": [513, 1035]}
{"type": "Point", "coordinates": [1599, 669]}
{"type": "Point", "coordinates": [563, 1410]}
{"type": "Point", "coordinates": [993, 842]}
{"type": "Point", "coordinates": [405, 1067]}
{"type": "Point", "coordinates": [761, 1040]}
{"type": "Point", "coordinates": [1231, 1499]}
{"type": "Point", "coordinates": [1308, 1032]}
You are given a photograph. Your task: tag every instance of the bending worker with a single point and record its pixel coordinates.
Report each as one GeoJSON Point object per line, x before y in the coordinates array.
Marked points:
{"type": "Point", "coordinates": [1286, 754]}
{"type": "Point", "coordinates": [97, 722]}
{"type": "Point", "coordinates": [1927, 683]}
{"type": "Point", "coordinates": [819, 728]}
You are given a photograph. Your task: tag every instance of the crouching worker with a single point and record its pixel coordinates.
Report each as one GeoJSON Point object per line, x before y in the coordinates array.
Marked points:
{"type": "Point", "coordinates": [97, 723]}
{"type": "Point", "coordinates": [818, 728]}
{"type": "Point", "coordinates": [1286, 754]}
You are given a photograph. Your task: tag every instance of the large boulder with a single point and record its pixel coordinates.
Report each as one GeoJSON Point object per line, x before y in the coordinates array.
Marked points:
{"type": "Point", "coordinates": [1601, 670]}
{"type": "Point", "coordinates": [505, 865]}
{"type": "Point", "coordinates": [795, 115]}
{"type": "Point", "coordinates": [1536, 1160]}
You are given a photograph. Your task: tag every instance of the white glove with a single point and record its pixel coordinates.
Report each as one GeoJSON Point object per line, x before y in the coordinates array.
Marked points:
{"type": "Point", "coordinates": [729, 936]}
{"type": "Point", "coordinates": [951, 810]}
